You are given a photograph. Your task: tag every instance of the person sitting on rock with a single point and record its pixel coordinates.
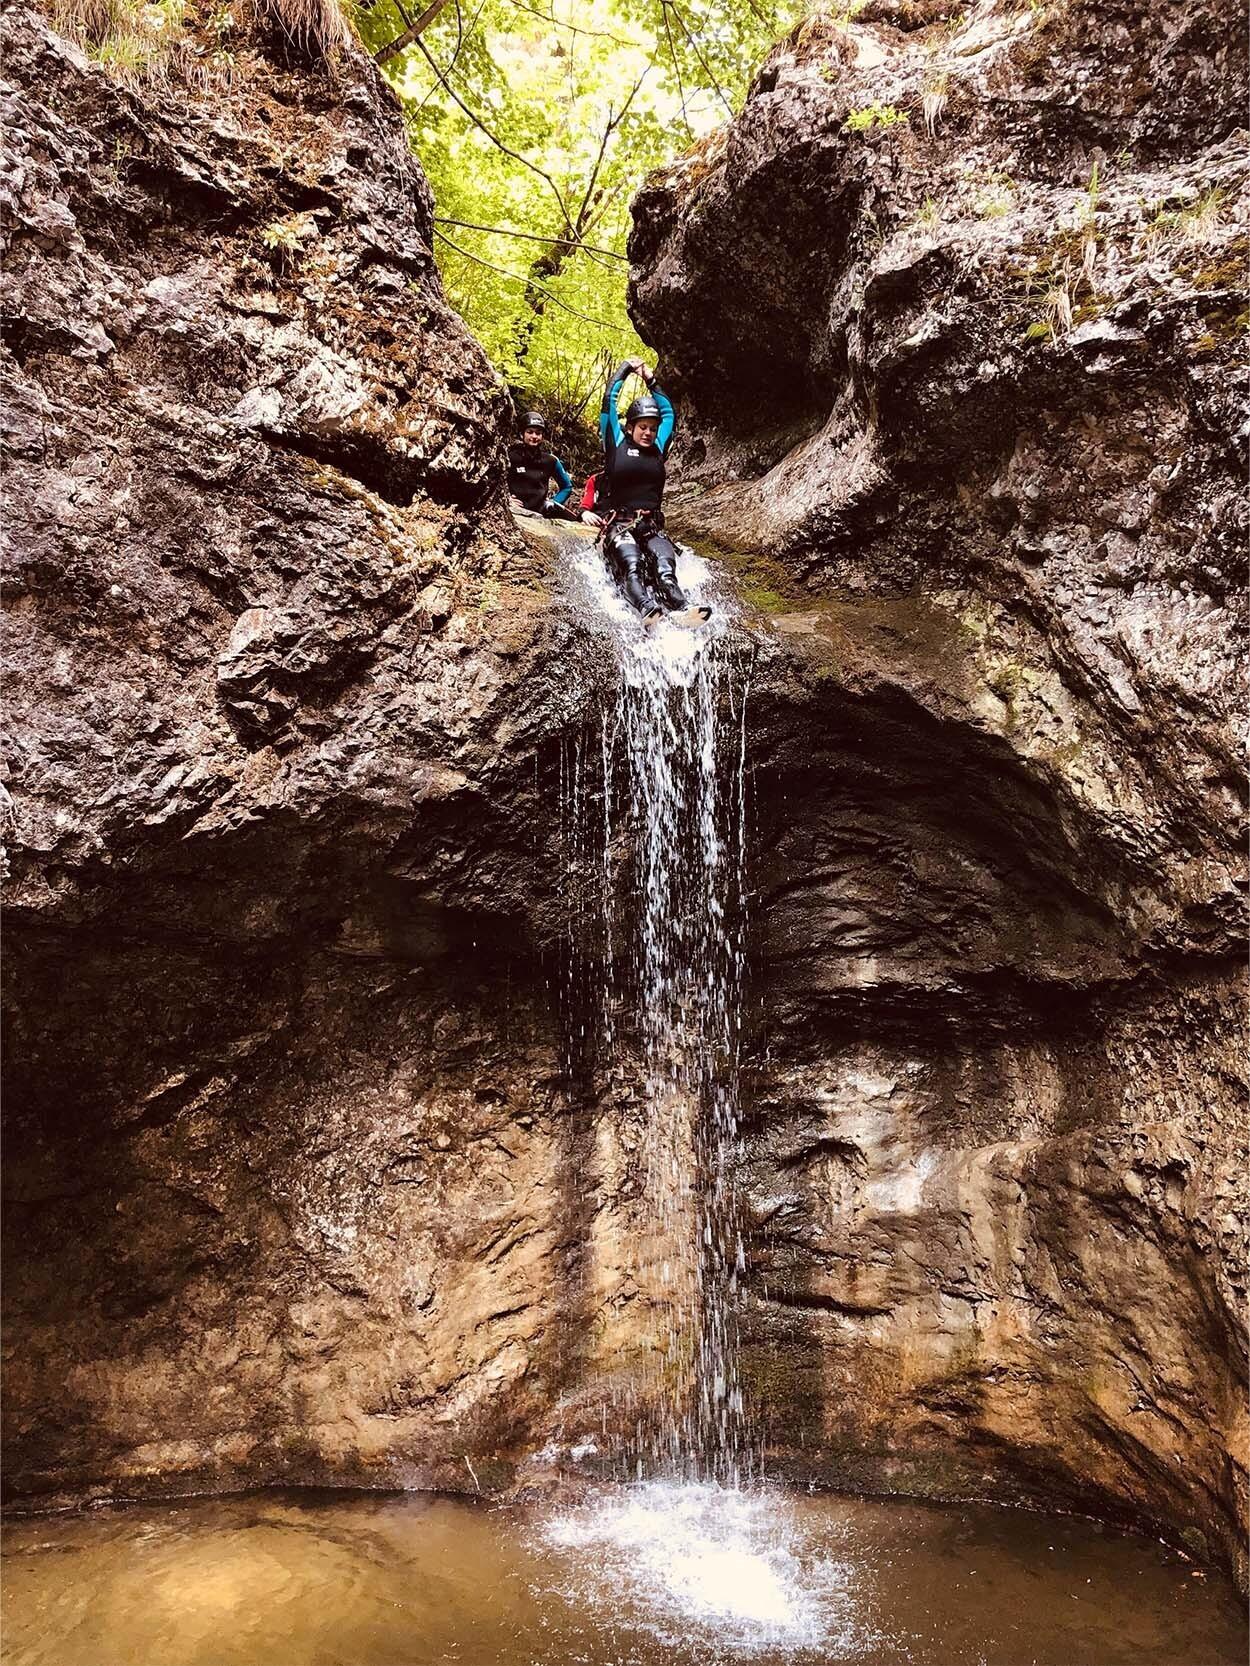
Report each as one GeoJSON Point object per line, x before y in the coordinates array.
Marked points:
{"type": "Point", "coordinates": [640, 555]}
{"type": "Point", "coordinates": [531, 465]}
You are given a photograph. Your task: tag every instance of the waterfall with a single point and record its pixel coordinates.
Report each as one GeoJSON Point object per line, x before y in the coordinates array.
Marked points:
{"type": "Point", "coordinates": [654, 819]}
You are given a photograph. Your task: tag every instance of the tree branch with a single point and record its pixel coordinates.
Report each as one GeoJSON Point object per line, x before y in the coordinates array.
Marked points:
{"type": "Point", "coordinates": [385, 53]}
{"type": "Point", "coordinates": [493, 137]}
{"type": "Point", "coordinates": [575, 28]}
{"type": "Point", "coordinates": [672, 58]}
{"type": "Point", "coordinates": [614, 121]}
{"type": "Point", "coordinates": [529, 283]}
{"type": "Point", "coordinates": [529, 237]}
{"type": "Point", "coordinates": [455, 57]}
{"type": "Point", "coordinates": [698, 54]}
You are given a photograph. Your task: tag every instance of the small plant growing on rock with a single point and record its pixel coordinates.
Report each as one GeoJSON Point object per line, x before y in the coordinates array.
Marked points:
{"type": "Point", "coordinates": [1058, 310]}
{"type": "Point", "coordinates": [148, 39]}
{"type": "Point", "coordinates": [1088, 226]}
{"type": "Point", "coordinates": [318, 27]}
{"type": "Point", "coordinates": [871, 229]}
{"type": "Point", "coordinates": [129, 58]}
{"type": "Point", "coordinates": [995, 204]}
{"type": "Point", "coordinates": [933, 104]}
{"type": "Point", "coordinates": [285, 238]}
{"type": "Point", "coordinates": [1058, 304]}
{"type": "Point", "coordinates": [873, 115]}
{"type": "Point", "coordinates": [1199, 222]}
{"type": "Point", "coordinates": [488, 601]}
{"type": "Point", "coordinates": [1191, 225]}
{"type": "Point", "coordinates": [930, 214]}
{"type": "Point", "coordinates": [132, 39]}
{"type": "Point", "coordinates": [210, 64]}
{"type": "Point", "coordinates": [998, 198]}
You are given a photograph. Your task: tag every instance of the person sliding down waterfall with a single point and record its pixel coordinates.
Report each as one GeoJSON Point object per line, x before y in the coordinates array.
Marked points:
{"type": "Point", "coordinates": [640, 555]}
{"type": "Point", "coordinates": [531, 465]}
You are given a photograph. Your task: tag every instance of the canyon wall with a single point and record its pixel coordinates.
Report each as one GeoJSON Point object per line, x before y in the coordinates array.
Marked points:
{"type": "Point", "coordinates": [310, 1173]}
{"type": "Point", "coordinates": [292, 1156]}
{"type": "Point", "coordinates": [967, 427]}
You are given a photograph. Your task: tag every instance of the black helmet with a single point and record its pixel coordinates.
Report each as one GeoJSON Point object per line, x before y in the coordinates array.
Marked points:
{"type": "Point", "coordinates": [535, 419]}
{"type": "Point", "coordinates": [644, 409]}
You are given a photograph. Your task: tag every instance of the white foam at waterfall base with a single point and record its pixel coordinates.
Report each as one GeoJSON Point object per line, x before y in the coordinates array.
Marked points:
{"type": "Point", "coordinates": [696, 1561]}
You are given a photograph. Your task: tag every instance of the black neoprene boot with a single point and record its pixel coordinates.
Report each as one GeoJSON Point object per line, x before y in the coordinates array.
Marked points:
{"type": "Point", "coordinates": [664, 561]}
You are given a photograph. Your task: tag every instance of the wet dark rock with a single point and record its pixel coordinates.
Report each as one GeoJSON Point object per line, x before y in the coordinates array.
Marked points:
{"type": "Point", "coordinates": [969, 428]}
{"type": "Point", "coordinates": [307, 1176]}
{"type": "Point", "coordinates": [289, 1131]}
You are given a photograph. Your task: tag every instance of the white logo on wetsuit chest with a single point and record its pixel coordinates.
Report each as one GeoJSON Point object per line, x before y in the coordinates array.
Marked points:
{"type": "Point", "coordinates": [630, 452]}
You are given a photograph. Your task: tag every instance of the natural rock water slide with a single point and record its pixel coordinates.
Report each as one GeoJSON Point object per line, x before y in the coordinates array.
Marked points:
{"type": "Point", "coordinates": [371, 887]}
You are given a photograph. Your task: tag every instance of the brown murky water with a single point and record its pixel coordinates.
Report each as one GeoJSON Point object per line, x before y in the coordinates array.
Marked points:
{"type": "Point", "coordinates": [649, 1576]}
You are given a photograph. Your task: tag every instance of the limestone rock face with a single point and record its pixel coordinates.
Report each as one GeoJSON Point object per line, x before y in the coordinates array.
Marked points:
{"type": "Point", "coordinates": [311, 1173]}
{"type": "Point", "coordinates": [952, 314]}
{"type": "Point", "coordinates": [290, 1153]}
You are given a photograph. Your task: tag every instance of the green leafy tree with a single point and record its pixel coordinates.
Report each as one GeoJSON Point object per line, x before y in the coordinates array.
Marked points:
{"type": "Point", "coordinates": [536, 122]}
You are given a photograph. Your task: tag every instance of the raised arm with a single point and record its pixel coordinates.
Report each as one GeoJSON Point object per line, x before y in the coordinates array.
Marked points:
{"type": "Point", "coordinates": [668, 416]}
{"type": "Point", "coordinates": [610, 431]}
{"type": "Point", "coordinates": [563, 480]}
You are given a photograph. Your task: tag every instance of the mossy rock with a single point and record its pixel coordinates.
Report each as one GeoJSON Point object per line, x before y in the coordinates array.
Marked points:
{"type": "Point", "coordinates": [761, 580]}
{"type": "Point", "coordinates": [1224, 323]}
{"type": "Point", "coordinates": [1229, 271]}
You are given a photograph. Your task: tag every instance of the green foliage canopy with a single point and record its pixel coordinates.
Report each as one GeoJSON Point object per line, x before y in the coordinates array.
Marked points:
{"type": "Point", "coordinates": [542, 118]}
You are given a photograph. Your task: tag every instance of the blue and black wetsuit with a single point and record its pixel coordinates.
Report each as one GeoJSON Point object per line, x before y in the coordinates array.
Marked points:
{"type": "Point", "coordinates": [641, 556]}
{"type": "Point", "coordinates": [530, 467]}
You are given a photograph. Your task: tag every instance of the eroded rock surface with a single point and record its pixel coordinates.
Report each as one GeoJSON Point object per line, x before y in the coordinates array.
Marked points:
{"type": "Point", "coordinates": [291, 1146]}
{"type": "Point", "coordinates": [969, 416]}
{"type": "Point", "coordinates": [309, 1175]}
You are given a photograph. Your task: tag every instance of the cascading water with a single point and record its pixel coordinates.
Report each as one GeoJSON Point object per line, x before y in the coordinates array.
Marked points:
{"type": "Point", "coordinates": [654, 824]}
{"type": "Point", "coordinates": [670, 760]}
